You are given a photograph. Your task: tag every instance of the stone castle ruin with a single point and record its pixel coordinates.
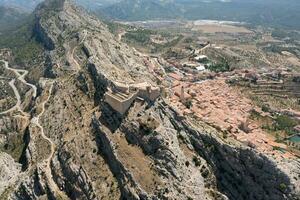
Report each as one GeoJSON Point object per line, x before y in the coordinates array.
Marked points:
{"type": "Point", "coordinates": [120, 96]}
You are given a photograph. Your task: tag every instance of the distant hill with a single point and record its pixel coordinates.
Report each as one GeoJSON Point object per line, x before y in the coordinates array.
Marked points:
{"type": "Point", "coordinates": [277, 13]}
{"type": "Point", "coordinates": [10, 17]}
{"type": "Point", "coordinates": [142, 10]}
{"type": "Point", "coordinates": [15, 12]}
{"type": "Point", "coordinates": [96, 4]}
{"type": "Point", "coordinates": [23, 4]}
{"type": "Point", "coordinates": [31, 4]}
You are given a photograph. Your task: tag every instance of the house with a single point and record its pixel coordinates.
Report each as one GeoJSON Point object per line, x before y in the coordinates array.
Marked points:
{"type": "Point", "coordinates": [175, 76]}
{"type": "Point", "coordinates": [201, 68]}
{"type": "Point", "coordinates": [294, 141]}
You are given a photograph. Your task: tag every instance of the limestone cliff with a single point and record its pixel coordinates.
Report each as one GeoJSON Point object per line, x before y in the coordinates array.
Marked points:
{"type": "Point", "coordinates": [75, 146]}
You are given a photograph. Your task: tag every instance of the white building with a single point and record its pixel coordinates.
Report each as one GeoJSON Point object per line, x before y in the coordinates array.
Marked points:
{"type": "Point", "coordinates": [201, 68]}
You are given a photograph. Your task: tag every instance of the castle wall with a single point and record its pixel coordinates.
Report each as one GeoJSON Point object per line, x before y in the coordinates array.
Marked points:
{"type": "Point", "coordinates": [119, 105]}
{"type": "Point", "coordinates": [121, 87]}
{"type": "Point", "coordinates": [121, 101]}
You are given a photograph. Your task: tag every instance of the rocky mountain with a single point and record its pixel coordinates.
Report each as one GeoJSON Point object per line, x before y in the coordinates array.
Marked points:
{"type": "Point", "coordinates": [25, 4]}
{"type": "Point", "coordinates": [64, 140]}
{"type": "Point", "coordinates": [31, 4]}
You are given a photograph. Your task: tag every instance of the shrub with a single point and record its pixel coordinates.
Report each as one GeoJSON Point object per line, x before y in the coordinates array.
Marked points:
{"type": "Point", "coordinates": [197, 161]}
{"type": "Point", "coordinates": [265, 108]}
{"type": "Point", "coordinates": [296, 79]}
{"type": "Point", "coordinates": [285, 123]}
{"type": "Point", "coordinates": [188, 104]}
{"type": "Point", "coordinates": [223, 66]}
{"type": "Point", "coordinates": [205, 173]}
{"type": "Point", "coordinates": [187, 163]}
{"type": "Point", "coordinates": [282, 187]}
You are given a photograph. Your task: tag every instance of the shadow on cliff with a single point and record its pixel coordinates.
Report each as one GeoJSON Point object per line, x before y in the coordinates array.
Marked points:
{"type": "Point", "coordinates": [100, 83]}
{"type": "Point", "coordinates": [242, 173]}
{"type": "Point", "coordinates": [23, 158]}
{"type": "Point", "coordinates": [110, 118]}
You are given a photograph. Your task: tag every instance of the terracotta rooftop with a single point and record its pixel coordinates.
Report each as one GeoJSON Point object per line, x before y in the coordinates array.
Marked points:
{"type": "Point", "coordinates": [175, 76]}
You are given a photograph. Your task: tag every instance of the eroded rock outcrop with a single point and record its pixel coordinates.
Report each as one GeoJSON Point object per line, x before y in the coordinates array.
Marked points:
{"type": "Point", "coordinates": [77, 147]}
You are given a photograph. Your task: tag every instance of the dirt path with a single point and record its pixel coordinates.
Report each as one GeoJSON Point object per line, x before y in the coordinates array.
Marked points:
{"type": "Point", "coordinates": [74, 49]}
{"type": "Point", "coordinates": [47, 162]}
{"type": "Point", "coordinates": [21, 75]}
{"type": "Point", "coordinates": [205, 47]}
{"type": "Point", "coordinates": [17, 106]}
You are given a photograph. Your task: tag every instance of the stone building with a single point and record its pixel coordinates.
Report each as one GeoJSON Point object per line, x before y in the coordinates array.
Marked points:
{"type": "Point", "coordinates": [294, 141]}
{"type": "Point", "coordinates": [119, 101]}
{"type": "Point", "coordinates": [120, 96]}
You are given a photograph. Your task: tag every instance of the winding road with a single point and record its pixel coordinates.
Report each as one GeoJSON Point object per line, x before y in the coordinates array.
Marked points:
{"type": "Point", "coordinates": [18, 104]}
{"type": "Point", "coordinates": [74, 49]}
{"type": "Point", "coordinates": [35, 121]}
{"type": "Point", "coordinates": [20, 73]}
{"type": "Point", "coordinates": [47, 162]}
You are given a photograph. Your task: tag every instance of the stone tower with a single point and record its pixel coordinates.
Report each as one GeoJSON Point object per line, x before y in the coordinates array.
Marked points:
{"type": "Point", "coordinates": [182, 98]}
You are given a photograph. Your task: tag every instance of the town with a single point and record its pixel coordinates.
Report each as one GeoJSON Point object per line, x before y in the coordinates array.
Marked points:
{"type": "Point", "coordinates": [207, 89]}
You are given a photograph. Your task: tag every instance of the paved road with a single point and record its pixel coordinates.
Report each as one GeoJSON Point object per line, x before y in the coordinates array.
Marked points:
{"type": "Point", "coordinates": [18, 104]}
{"type": "Point", "coordinates": [12, 85]}
{"type": "Point", "coordinates": [36, 121]}
{"type": "Point", "coordinates": [21, 74]}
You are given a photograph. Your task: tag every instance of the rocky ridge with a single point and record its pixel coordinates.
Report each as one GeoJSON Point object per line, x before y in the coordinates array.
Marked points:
{"type": "Point", "coordinates": [95, 153]}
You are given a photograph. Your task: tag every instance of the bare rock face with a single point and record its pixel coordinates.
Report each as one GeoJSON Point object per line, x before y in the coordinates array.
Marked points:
{"type": "Point", "coordinates": [77, 147]}
{"type": "Point", "coordinates": [9, 171]}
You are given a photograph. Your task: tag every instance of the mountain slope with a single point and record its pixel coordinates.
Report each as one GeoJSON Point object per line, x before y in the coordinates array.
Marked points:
{"type": "Point", "coordinates": [31, 4]}
{"type": "Point", "coordinates": [10, 17]}
{"type": "Point", "coordinates": [25, 4]}
{"type": "Point", "coordinates": [275, 13]}
{"type": "Point", "coordinates": [142, 9]}
{"type": "Point", "coordinates": [76, 146]}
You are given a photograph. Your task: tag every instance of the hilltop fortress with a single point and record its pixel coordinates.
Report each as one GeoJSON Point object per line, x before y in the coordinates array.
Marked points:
{"type": "Point", "coordinates": [120, 96]}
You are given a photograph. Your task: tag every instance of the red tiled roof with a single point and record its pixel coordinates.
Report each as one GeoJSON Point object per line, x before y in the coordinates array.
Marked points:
{"type": "Point", "coordinates": [175, 76]}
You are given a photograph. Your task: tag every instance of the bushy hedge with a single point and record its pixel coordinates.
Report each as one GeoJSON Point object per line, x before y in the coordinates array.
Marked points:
{"type": "Point", "coordinates": [222, 66]}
